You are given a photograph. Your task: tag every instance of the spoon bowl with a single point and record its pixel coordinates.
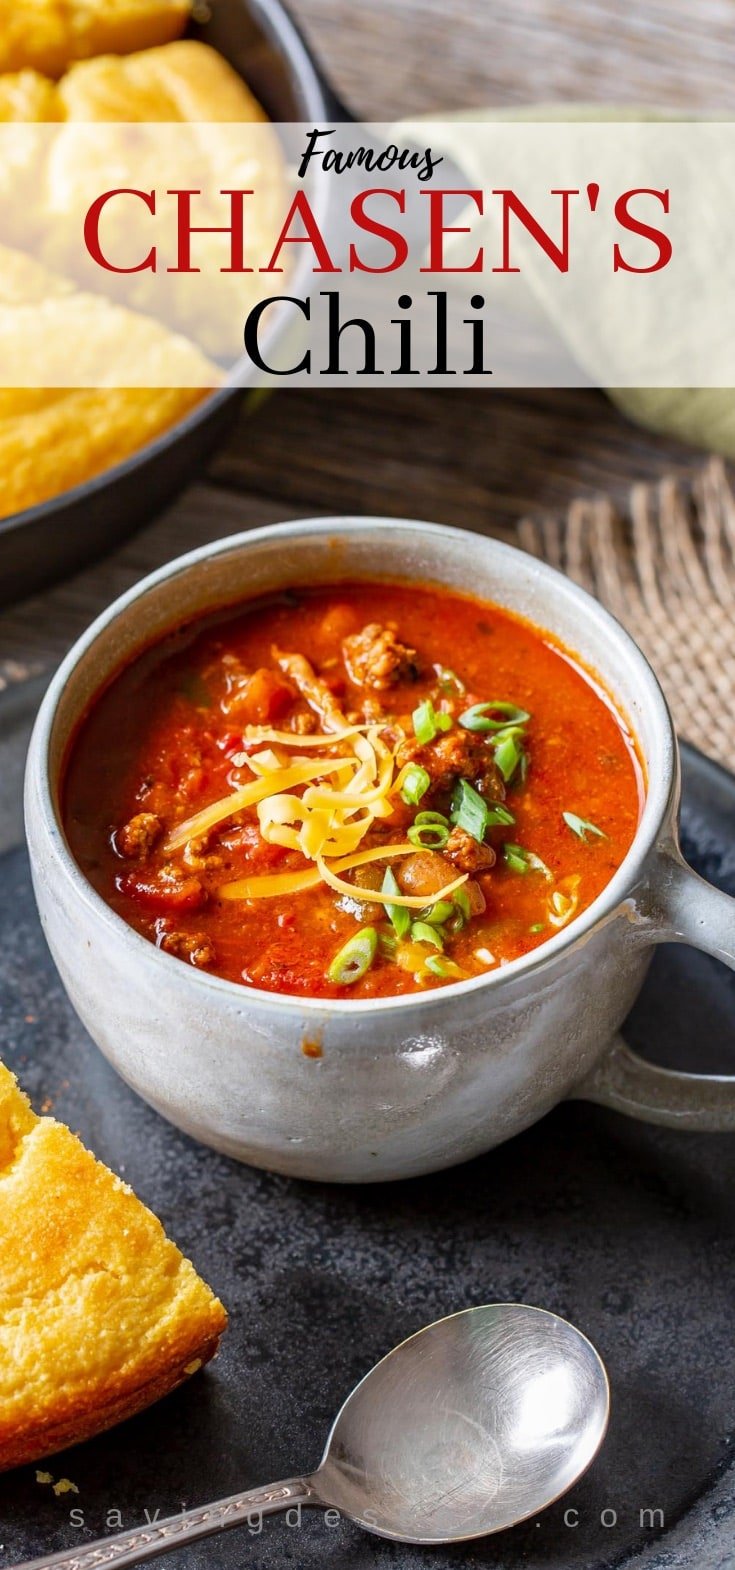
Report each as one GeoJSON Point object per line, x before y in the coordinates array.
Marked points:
{"type": "Point", "coordinates": [469, 1426]}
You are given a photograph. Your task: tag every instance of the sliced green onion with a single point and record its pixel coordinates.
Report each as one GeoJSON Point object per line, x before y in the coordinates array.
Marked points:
{"type": "Point", "coordinates": [415, 785]}
{"type": "Point", "coordinates": [518, 859]}
{"type": "Point", "coordinates": [480, 716]}
{"type": "Point", "coordinates": [438, 913]}
{"type": "Point", "coordinates": [439, 965]}
{"type": "Point", "coordinates": [428, 836]}
{"type": "Point", "coordinates": [508, 751]}
{"type": "Point", "coordinates": [428, 721]}
{"type": "Point", "coordinates": [475, 815]}
{"type": "Point", "coordinates": [538, 926]}
{"type": "Point", "coordinates": [427, 816]}
{"type": "Point", "coordinates": [421, 932]}
{"type": "Point", "coordinates": [581, 827]}
{"type": "Point", "coordinates": [514, 729]}
{"type": "Point", "coordinates": [469, 811]}
{"type": "Point", "coordinates": [498, 814]}
{"type": "Point", "coordinates": [398, 915]}
{"type": "Point", "coordinates": [462, 902]}
{"type": "Point", "coordinates": [515, 858]}
{"type": "Point", "coordinates": [354, 958]}
{"type": "Point", "coordinates": [462, 912]}
{"type": "Point", "coordinates": [448, 681]}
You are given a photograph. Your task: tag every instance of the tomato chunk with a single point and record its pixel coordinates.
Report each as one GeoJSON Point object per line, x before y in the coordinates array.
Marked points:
{"type": "Point", "coordinates": [163, 891]}
{"type": "Point", "coordinates": [267, 697]}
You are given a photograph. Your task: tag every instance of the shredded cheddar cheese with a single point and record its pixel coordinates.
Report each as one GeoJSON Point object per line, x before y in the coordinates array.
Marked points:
{"type": "Point", "coordinates": [410, 901]}
{"type": "Point", "coordinates": [271, 885]}
{"type": "Point", "coordinates": [247, 796]}
{"type": "Point", "coordinates": [346, 792]}
{"type": "Point", "coordinates": [288, 738]}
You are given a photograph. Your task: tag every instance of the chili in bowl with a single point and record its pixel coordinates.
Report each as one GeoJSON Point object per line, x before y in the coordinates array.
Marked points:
{"type": "Point", "coordinates": [351, 840]}
{"type": "Point", "coordinates": [358, 789]}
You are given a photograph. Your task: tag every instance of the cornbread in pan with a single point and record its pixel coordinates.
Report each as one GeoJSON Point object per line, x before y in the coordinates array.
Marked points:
{"type": "Point", "coordinates": [50, 34]}
{"type": "Point", "coordinates": [99, 1312]}
{"type": "Point", "coordinates": [58, 309]}
{"type": "Point", "coordinates": [61, 437]}
{"type": "Point", "coordinates": [186, 81]}
{"type": "Point", "coordinates": [51, 182]}
{"type": "Point", "coordinates": [52, 438]}
{"type": "Point", "coordinates": [28, 96]}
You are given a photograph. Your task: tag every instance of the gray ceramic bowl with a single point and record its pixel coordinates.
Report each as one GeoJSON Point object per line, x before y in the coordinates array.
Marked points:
{"type": "Point", "coordinates": [404, 1085]}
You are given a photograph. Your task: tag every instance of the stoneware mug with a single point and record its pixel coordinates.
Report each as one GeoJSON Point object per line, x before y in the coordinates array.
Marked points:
{"type": "Point", "coordinates": [403, 1085]}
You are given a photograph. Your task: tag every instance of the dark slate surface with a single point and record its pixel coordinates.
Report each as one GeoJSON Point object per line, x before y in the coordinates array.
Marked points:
{"type": "Point", "coordinates": [627, 1230]}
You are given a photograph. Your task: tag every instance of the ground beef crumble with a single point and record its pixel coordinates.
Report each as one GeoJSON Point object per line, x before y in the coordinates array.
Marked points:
{"type": "Point", "coordinates": [375, 658]}
{"type": "Point", "coordinates": [466, 854]}
{"type": "Point", "coordinates": [454, 755]}
{"type": "Point", "coordinates": [136, 839]}
{"type": "Point", "coordinates": [194, 947]}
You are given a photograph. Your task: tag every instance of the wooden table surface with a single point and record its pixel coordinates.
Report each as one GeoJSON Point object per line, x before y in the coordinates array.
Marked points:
{"type": "Point", "coordinates": [480, 459]}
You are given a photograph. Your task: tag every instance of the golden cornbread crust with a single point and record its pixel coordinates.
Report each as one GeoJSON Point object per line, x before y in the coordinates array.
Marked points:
{"type": "Point", "coordinates": [73, 434]}
{"type": "Point", "coordinates": [46, 1439]}
{"type": "Point", "coordinates": [100, 1314]}
{"type": "Point", "coordinates": [49, 35]}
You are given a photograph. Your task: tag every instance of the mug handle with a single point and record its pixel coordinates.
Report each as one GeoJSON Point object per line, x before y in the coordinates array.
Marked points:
{"type": "Point", "coordinates": [684, 908]}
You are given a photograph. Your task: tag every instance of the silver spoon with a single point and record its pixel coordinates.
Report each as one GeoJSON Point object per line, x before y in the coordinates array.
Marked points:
{"type": "Point", "coordinates": [469, 1426]}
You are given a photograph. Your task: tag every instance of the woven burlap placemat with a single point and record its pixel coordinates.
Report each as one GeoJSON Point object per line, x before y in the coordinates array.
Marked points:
{"type": "Point", "coordinates": [664, 564]}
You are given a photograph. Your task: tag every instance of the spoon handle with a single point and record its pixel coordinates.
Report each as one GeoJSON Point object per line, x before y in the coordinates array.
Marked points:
{"type": "Point", "coordinates": [146, 1542]}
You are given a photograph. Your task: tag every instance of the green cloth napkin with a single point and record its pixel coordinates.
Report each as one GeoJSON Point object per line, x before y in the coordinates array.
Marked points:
{"type": "Point", "coordinates": [703, 416]}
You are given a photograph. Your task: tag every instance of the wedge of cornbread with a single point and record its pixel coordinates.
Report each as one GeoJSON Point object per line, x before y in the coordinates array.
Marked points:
{"type": "Point", "coordinates": [100, 1314]}
{"type": "Point", "coordinates": [50, 34]}
{"type": "Point", "coordinates": [52, 438]}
